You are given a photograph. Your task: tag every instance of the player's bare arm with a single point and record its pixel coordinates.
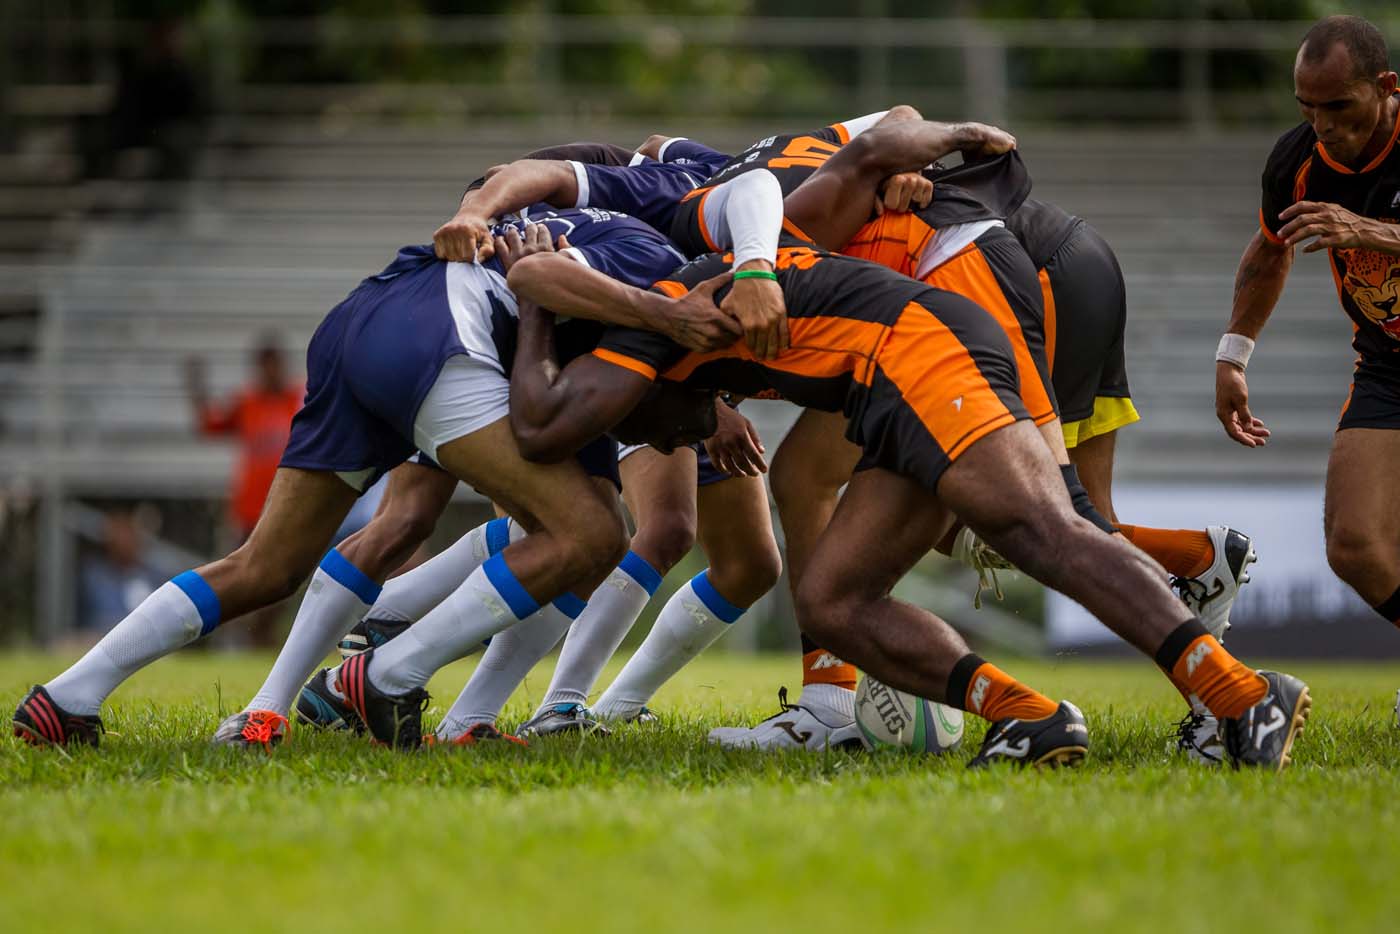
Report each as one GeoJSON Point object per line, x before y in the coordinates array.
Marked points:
{"type": "Point", "coordinates": [827, 206]}
{"type": "Point", "coordinates": [1258, 284]}
{"type": "Point", "coordinates": [555, 412]}
{"type": "Point", "coordinates": [554, 281]}
{"type": "Point", "coordinates": [466, 236]}
{"type": "Point", "coordinates": [1331, 226]}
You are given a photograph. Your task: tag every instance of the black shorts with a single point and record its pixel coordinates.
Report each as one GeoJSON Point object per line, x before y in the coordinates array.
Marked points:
{"type": "Point", "coordinates": [1086, 315]}
{"type": "Point", "coordinates": [945, 378]}
{"type": "Point", "coordinates": [1374, 400]}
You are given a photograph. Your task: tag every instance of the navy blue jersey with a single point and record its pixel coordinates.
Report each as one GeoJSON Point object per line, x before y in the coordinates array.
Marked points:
{"type": "Point", "coordinates": [377, 354]}
{"type": "Point", "coordinates": [684, 151]}
{"type": "Point", "coordinates": [648, 191]}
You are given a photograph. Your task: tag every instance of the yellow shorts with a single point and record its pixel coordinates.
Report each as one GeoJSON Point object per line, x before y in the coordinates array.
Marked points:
{"type": "Point", "coordinates": [1110, 414]}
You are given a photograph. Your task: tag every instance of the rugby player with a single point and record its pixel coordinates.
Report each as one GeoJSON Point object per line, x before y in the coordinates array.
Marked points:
{"type": "Point", "coordinates": [376, 390]}
{"type": "Point", "coordinates": [929, 382]}
{"type": "Point", "coordinates": [1333, 183]}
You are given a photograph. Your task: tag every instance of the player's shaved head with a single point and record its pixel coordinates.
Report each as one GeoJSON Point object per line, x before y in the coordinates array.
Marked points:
{"type": "Point", "coordinates": [1362, 41]}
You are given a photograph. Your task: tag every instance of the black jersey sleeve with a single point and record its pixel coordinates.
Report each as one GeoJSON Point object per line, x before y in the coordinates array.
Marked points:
{"type": "Point", "coordinates": [1284, 176]}
{"type": "Point", "coordinates": [587, 153]}
{"type": "Point", "coordinates": [644, 352]}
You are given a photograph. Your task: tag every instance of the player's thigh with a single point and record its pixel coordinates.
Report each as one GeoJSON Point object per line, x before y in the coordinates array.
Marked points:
{"type": "Point", "coordinates": [736, 532]}
{"type": "Point", "coordinates": [559, 496]}
{"type": "Point", "coordinates": [414, 500]}
{"type": "Point", "coordinates": [1093, 458]}
{"type": "Point", "coordinates": [301, 514]}
{"type": "Point", "coordinates": [813, 460]}
{"type": "Point", "coordinates": [1362, 510]}
{"type": "Point", "coordinates": [883, 525]}
{"type": "Point", "coordinates": [1006, 480]}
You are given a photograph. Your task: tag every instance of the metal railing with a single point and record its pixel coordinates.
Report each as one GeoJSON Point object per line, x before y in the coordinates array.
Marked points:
{"type": "Point", "coordinates": [847, 63]}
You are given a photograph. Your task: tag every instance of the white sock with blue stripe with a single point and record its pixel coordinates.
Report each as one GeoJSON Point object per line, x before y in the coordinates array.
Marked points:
{"type": "Point", "coordinates": [692, 619]}
{"type": "Point", "coordinates": [179, 612]}
{"type": "Point", "coordinates": [507, 661]}
{"type": "Point", "coordinates": [411, 594]}
{"type": "Point", "coordinates": [600, 629]}
{"type": "Point", "coordinates": [339, 594]}
{"type": "Point", "coordinates": [489, 601]}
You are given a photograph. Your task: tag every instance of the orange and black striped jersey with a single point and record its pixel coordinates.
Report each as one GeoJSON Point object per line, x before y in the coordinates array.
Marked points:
{"type": "Point", "coordinates": [1368, 281]}
{"type": "Point", "coordinates": [919, 372]}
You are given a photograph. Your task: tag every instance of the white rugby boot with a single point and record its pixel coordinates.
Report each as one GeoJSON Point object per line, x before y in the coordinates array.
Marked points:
{"type": "Point", "coordinates": [812, 726]}
{"type": "Point", "coordinates": [1211, 594]}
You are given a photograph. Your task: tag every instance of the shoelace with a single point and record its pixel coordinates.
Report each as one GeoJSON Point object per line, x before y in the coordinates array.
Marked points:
{"type": "Point", "coordinates": [985, 560]}
{"type": "Point", "coordinates": [783, 705]}
{"type": "Point", "coordinates": [1188, 589]}
{"type": "Point", "coordinates": [263, 728]}
{"type": "Point", "coordinates": [1186, 729]}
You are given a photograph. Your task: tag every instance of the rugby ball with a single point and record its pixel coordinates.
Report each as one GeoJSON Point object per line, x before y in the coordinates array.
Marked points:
{"type": "Point", "coordinates": [887, 717]}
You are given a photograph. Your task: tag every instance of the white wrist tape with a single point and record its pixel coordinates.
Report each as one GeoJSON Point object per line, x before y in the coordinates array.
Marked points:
{"type": "Point", "coordinates": [1234, 348]}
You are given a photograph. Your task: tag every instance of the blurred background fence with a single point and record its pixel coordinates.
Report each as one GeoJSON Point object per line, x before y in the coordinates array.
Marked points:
{"type": "Point", "coordinates": [196, 179]}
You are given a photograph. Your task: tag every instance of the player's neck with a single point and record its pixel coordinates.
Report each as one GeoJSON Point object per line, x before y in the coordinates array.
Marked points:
{"type": "Point", "coordinates": [1385, 128]}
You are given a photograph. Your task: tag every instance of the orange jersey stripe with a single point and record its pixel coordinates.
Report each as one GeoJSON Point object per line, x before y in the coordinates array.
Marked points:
{"type": "Point", "coordinates": [969, 275]}
{"type": "Point", "coordinates": [700, 219]}
{"type": "Point", "coordinates": [1047, 296]}
{"type": "Point", "coordinates": [941, 382]}
{"type": "Point", "coordinates": [671, 287]}
{"type": "Point", "coordinates": [1269, 235]}
{"type": "Point", "coordinates": [894, 240]}
{"type": "Point", "coordinates": [624, 361]}
{"type": "Point", "coordinates": [823, 346]}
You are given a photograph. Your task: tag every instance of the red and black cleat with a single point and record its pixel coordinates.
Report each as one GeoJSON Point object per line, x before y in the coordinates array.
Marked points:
{"type": "Point", "coordinates": [40, 722]}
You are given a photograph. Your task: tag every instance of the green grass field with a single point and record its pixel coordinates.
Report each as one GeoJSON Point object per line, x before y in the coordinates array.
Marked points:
{"type": "Point", "coordinates": [652, 830]}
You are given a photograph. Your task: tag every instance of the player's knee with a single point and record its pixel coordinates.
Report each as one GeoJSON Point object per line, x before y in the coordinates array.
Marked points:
{"type": "Point", "coordinates": [1356, 556]}
{"type": "Point", "coordinates": [746, 574]}
{"type": "Point", "coordinates": [403, 532]}
{"type": "Point", "coordinates": [666, 538]}
{"type": "Point", "coordinates": [598, 543]}
{"type": "Point", "coordinates": [823, 613]}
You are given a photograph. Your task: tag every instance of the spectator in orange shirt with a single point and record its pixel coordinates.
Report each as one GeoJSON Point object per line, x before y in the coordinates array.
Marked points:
{"type": "Point", "coordinates": [260, 416]}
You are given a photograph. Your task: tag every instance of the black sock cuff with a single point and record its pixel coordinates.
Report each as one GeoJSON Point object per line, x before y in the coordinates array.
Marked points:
{"type": "Point", "coordinates": [1080, 498]}
{"type": "Point", "coordinates": [961, 679]}
{"type": "Point", "coordinates": [1390, 607]}
{"type": "Point", "coordinates": [1178, 642]}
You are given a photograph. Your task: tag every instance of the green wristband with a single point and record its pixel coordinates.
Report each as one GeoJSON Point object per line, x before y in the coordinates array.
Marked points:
{"type": "Point", "coordinates": [756, 274]}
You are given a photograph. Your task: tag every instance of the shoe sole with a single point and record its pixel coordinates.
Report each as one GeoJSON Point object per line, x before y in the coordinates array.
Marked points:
{"type": "Point", "coordinates": [29, 735]}
{"type": "Point", "coordinates": [1067, 756]}
{"type": "Point", "coordinates": [1301, 711]}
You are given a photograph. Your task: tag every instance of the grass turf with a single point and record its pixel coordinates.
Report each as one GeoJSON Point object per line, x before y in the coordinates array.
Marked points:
{"type": "Point", "coordinates": [653, 830]}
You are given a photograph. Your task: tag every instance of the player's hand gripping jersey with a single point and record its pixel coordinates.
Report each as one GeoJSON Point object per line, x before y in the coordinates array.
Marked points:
{"type": "Point", "coordinates": [920, 373]}
{"type": "Point", "coordinates": [375, 357]}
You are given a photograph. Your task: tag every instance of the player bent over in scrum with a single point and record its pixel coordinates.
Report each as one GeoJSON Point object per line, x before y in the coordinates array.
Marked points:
{"type": "Point", "coordinates": [930, 385]}
{"type": "Point", "coordinates": [375, 391]}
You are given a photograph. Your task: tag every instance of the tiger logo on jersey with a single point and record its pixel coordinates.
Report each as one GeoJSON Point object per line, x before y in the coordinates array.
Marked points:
{"type": "Point", "coordinates": [1373, 282]}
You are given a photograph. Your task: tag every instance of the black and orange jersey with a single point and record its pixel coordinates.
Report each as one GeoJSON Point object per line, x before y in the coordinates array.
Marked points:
{"type": "Point", "coordinates": [1042, 229]}
{"type": "Point", "coordinates": [921, 373]}
{"type": "Point", "coordinates": [1368, 282]}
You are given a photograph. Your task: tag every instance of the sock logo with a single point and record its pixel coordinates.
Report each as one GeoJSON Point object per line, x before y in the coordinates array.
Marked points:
{"type": "Point", "coordinates": [618, 581]}
{"type": "Point", "coordinates": [979, 692]}
{"type": "Point", "coordinates": [479, 550]}
{"type": "Point", "coordinates": [495, 607]}
{"type": "Point", "coordinates": [1196, 656]}
{"type": "Point", "coordinates": [697, 613]}
{"type": "Point", "coordinates": [825, 660]}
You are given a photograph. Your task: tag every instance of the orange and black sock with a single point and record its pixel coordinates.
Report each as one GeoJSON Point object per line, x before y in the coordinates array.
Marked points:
{"type": "Point", "coordinates": [1193, 658]}
{"type": "Point", "coordinates": [821, 667]}
{"type": "Point", "coordinates": [984, 689]}
{"type": "Point", "coordinates": [1390, 607]}
{"type": "Point", "coordinates": [1183, 552]}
